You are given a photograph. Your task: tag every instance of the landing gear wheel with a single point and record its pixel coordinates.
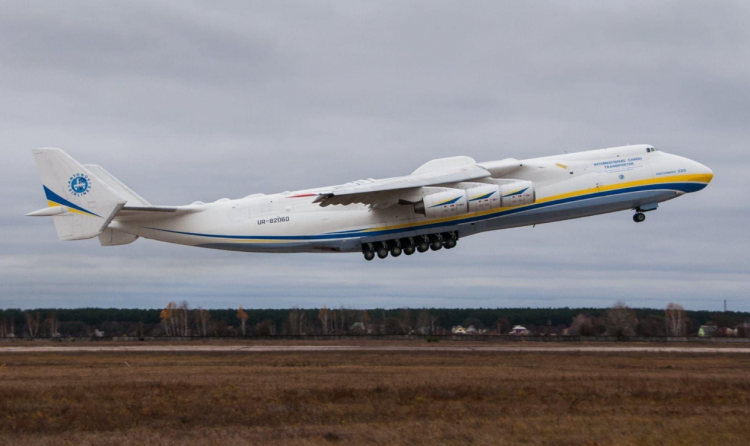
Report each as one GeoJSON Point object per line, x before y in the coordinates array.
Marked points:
{"type": "Point", "coordinates": [639, 217]}
{"type": "Point", "coordinates": [423, 247]}
{"type": "Point", "coordinates": [395, 251]}
{"type": "Point", "coordinates": [369, 255]}
{"type": "Point", "coordinates": [382, 253]}
{"type": "Point", "coordinates": [436, 245]}
{"type": "Point", "coordinates": [409, 250]}
{"type": "Point", "coordinates": [450, 243]}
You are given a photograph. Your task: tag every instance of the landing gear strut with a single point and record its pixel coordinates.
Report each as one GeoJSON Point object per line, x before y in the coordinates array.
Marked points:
{"type": "Point", "coordinates": [437, 242]}
{"type": "Point", "coordinates": [423, 245]}
{"type": "Point", "coordinates": [383, 251]}
{"type": "Point", "coordinates": [368, 251]}
{"type": "Point", "coordinates": [409, 248]}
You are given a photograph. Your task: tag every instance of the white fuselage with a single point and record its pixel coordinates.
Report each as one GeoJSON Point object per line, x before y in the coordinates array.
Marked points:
{"type": "Point", "coordinates": [567, 186]}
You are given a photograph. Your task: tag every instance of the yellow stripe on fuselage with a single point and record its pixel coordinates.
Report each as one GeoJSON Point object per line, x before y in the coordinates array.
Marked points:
{"type": "Point", "coordinates": [695, 178]}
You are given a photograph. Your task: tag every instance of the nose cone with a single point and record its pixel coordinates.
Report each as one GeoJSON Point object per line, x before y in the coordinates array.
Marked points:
{"type": "Point", "coordinates": [704, 171]}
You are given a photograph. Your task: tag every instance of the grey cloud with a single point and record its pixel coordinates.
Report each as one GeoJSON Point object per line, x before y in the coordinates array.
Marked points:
{"type": "Point", "coordinates": [185, 101]}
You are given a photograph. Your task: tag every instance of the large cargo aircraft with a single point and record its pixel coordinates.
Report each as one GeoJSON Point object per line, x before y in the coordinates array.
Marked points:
{"type": "Point", "coordinates": [430, 209]}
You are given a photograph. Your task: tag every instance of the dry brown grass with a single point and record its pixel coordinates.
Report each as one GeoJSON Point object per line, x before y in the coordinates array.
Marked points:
{"type": "Point", "coordinates": [374, 398]}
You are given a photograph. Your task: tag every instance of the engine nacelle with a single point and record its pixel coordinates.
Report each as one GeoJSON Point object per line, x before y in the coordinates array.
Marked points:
{"type": "Point", "coordinates": [480, 198]}
{"type": "Point", "coordinates": [484, 198]}
{"type": "Point", "coordinates": [517, 193]}
{"type": "Point", "coordinates": [443, 204]}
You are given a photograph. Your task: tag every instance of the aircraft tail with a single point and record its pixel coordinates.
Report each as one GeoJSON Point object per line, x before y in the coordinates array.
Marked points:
{"type": "Point", "coordinates": [80, 202]}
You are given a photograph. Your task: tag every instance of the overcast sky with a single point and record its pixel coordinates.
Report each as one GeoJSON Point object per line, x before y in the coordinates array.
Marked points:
{"type": "Point", "coordinates": [187, 101]}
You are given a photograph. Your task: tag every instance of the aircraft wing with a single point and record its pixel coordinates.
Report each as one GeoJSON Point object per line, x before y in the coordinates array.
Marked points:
{"type": "Point", "coordinates": [385, 192]}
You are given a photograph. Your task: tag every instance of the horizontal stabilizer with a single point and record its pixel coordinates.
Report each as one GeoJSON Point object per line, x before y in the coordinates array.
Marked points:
{"type": "Point", "coordinates": [48, 212]}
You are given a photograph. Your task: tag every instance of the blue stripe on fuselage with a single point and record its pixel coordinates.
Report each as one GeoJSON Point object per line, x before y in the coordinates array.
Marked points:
{"type": "Point", "coordinates": [684, 187]}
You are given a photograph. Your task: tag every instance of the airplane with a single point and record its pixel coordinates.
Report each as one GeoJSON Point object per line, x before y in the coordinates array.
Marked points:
{"type": "Point", "coordinates": [441, 202]}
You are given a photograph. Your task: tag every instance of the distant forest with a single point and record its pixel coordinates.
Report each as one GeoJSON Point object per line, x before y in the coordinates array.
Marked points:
{"type": "Point", "coordinates": [182, 320]}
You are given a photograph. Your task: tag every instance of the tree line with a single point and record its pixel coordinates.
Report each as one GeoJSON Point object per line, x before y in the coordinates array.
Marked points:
{"type": "Point", "coordinates": [180, 319]}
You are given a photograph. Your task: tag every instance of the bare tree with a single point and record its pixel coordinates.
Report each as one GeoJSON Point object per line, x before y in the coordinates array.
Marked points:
{"type": "Point", "coordinates": [295, 321]}
{"type": "Point", "coordinates": [503, 325]}
{"type": "Point", "coordinates": [182, 319]}
{"type": "Point", "coordinates": [243, 319]}
{"type": "Point", "coordinates": [620, 320]}
{"type": "Point", "coordinates": [434, 320]}
{"type": "Point", "coordinates": [324, 316]}
{"type": "Point", "coordinates": [365, 320]}
{"type": "Point", "coordinates": [52, 325]}
{"type": "Point", "coordinates": [6, 328]}
{"type": "Point", "coordinates": [423, 321]}
{"type": "Point", "coordinates": [201, 317]}
{"type": "Point", "coordinates": [583, 325]}
{"type": "Point", "coordinates": [676, 319]}
{"type": "Point", "coordinates": [405, 319]}
{"type": "Point", "coordinates": [265, 328]}
{"type": "Point", "coordinates": [32, 323]}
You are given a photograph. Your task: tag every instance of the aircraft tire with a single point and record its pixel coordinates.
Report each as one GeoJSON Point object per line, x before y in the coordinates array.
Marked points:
{"type": "Point", "coordinates": [369, 255]}
{"type": "Point", "coordinates": [450, 243]}
{"type": "Point", "coordinates": [409, 250]}
{"type": "Point", "coordinates": [436, 245]}
{"type": "Point", "coordinates": [382, 253]}
{"type": "Point", "coordinates": [395, 251]}
{"type": "Point", "coordinates": [423, 247]}
{"type": "Point", "coordinates": [639, 217]}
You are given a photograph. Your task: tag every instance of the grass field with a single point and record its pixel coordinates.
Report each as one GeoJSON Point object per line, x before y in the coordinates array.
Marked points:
{"type": "Point", "coordinates": [374, 398]}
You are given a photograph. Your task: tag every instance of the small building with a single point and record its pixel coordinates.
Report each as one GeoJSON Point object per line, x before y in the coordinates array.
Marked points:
{"type": "Point", "coordinates": [471, 330]}
{"type": "Point", "coordinates": [708, 330]}
{"type": "Point", "coordinates": [458, 330]}
{"type": "Point", "coordinates": [519, 330]}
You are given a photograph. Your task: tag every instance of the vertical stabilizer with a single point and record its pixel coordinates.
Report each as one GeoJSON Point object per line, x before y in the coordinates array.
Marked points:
{"type": "Point", "coordinates": [87, 203]}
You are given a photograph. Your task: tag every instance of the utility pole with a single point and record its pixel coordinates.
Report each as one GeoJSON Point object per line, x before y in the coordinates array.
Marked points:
{"type": "Point", "coordinates": [725, 305]}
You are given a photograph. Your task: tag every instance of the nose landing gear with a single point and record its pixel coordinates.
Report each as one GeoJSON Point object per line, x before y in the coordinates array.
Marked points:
{"type": "Point", "coordinates": [639, 216]}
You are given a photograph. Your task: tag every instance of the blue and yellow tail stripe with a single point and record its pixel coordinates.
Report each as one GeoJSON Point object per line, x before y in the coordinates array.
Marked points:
{"type": "Point", "coordinates": [682, 183]}
{"type": "Point", "coordinates": [55, 200]}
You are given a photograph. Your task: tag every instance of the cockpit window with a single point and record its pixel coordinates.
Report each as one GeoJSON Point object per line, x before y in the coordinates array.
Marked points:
{"type": "Point", "coordinates": [648, 150]}
{"type": "Point", "coordinates": [651, 149]}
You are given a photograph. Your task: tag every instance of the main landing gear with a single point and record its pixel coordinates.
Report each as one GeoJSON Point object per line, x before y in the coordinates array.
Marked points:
{"type": "Point", "coordinates": [409, 246]}
{"type": "Point", "coordinates": [639, 217]}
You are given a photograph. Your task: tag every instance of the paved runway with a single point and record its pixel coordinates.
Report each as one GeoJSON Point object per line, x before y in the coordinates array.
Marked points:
{"type": "Point", "coordinates": [373, 348]}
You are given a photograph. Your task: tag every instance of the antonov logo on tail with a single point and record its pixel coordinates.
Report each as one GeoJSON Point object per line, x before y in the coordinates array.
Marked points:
{"type": "Point", "coordinates": [78, 184]}
{"type": "Point", "coordinates": [429, 209]}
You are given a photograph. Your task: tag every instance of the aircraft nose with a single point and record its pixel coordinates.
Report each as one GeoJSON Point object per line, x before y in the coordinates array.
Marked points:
{"type": "Point", "coordinates": [705, 170]}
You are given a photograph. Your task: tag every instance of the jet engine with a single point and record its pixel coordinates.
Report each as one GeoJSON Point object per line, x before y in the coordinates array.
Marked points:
{"type": "Point", "coordinates": [443, 204]}
{"type": "Point", "coordinates": [477, 198]}
{"type": "Point", "coordinates": [492, 196]}
{"type": "Point", "coordinates": [517, 193]}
